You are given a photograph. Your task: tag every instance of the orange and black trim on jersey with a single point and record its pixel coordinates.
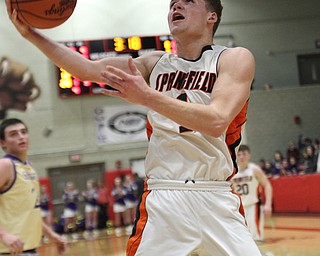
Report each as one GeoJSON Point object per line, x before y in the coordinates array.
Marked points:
{"type": "Point", "coordinates": [233, 135]}
{"type": "Point", "coordinates": [257, 218]}
{"type": "Point", "coordinates": [258, 210]}
{"type": "Point", "coordinates": [149, 129]}
{"type": "Point", "coordinates": [139, 225]}
{"type": "Point", "coordinates": [241, 208]}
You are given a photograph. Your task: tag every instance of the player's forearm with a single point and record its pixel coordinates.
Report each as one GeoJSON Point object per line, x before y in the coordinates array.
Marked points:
{"type": "Point", "coordinates": [268, 194]}
{"type": "Point", "coordinates": [47, 230]}
{"type": "Point", "coordinates": [197, 117]}
{"type": "Point", "coordinates": [63, 57]}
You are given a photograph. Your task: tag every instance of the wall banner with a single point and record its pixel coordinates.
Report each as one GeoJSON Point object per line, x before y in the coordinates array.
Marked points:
{"type": "Point", "coordinates": [120, 124]}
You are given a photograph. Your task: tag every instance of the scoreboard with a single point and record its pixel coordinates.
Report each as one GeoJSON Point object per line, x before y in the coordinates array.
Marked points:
{"type": "Point", "coordinates": [134, 46]}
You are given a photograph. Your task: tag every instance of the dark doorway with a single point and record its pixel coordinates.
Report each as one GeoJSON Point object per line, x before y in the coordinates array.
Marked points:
{"type": "Point", "coordinates": [79, 175]}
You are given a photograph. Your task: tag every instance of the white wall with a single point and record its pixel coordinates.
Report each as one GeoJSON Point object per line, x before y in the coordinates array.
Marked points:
{"type": "Point", "coordinates": [276, 32]}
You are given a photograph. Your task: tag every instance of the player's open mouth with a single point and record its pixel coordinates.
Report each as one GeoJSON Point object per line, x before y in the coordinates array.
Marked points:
{"type": "Point", "coordinates": [177, 16]}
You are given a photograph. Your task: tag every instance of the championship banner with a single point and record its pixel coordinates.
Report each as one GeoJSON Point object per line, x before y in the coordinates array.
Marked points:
{"type": "Point", "coordinates": [120, 124]}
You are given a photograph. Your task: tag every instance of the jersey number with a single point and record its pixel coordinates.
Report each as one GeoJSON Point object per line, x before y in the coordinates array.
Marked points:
{"type": "Point", "coordinates": [184, 98]}
{"type": "Point", "coordinates": [242, 189]}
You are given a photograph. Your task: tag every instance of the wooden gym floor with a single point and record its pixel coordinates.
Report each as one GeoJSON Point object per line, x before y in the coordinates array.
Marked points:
{"type": "Point", "coordinates": [284, 236]}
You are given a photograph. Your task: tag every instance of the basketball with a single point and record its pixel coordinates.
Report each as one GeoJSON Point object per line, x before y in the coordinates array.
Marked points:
{"type": "Point", "coordinates": [44, 13]}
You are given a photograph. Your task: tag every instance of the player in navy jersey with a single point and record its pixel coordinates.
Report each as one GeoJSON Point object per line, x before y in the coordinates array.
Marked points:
{"type": "Point", "coordinates": [198, 101]}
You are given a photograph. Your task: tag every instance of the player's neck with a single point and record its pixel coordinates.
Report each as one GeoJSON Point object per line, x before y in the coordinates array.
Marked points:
{"type": "Point", "coordinates": [243, 166]}
{"type": "Point", "coordinates": [21, 157]}
{"type": "Point", "coordinates": [191, 49]}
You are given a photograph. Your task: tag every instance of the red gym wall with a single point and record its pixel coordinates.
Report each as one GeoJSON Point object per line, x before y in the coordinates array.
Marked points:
{"type": "Point", "coordinates": [296, 194]}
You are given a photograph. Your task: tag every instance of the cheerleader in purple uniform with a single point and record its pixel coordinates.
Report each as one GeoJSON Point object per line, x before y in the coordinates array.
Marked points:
{"type": "Point", "coordinates": [121, 213]}
{"type": "Point", "coordinates": [130, 197]}
{"type": "Point", "coordinates": [70, 197]}
{"type": "Point", "coordinates": [91, 209]}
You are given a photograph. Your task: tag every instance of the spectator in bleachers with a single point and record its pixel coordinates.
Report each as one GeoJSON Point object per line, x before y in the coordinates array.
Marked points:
{"type": "Point", "coordinates": [293, 151]}
{"type": "Point", "coordinates": [294, 166]}
{"type": "Point", "coordinates": [262, 164]}
{"type": "Point", "coordinates": [309, 160]}
{"type": "Point", "coordinates": [277, 162]}
{"type": "Point", "coordinates": [284, 171]}
{"type": "Point", "coordinates": [303, 143]}
{"type": "Point", "coordinates": [303, 158]}
{"type": "Point", "coordinates": [316, 145]}
{"type": "Point", "coordinates": [268, 168]}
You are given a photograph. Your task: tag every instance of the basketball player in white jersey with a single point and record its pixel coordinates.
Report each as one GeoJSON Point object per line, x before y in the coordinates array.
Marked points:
{"type": "Point", "coordinates": [252, 185]}
{"type": "Point", "coordinates": [198, 101]}
{"type": "Point", "coordinates": [21, 224]}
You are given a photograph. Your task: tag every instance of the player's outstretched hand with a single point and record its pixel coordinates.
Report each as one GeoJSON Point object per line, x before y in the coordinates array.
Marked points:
{"type": "Point", "coordinates": [23, 28]}
{"type": "Point", "coordinates": [130, 87]}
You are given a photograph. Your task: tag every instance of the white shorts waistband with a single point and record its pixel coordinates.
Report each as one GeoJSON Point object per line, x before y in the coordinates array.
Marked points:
{"type": "Point", "coordinates": [189, 185]}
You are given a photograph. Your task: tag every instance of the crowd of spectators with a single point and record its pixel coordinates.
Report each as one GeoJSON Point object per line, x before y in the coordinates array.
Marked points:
{"type": "Point", "coordinates": [300, 158]}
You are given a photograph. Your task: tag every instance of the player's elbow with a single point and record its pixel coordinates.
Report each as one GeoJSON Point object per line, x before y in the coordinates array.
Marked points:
{"type": "Point", "coordinates": [217, 128]}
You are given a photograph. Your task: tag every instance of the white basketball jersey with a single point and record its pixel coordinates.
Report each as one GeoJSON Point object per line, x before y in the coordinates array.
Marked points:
{"type": "Point", "coordinates": [246, 185]}
{"type": "Point", "coordinates": [176, 153]}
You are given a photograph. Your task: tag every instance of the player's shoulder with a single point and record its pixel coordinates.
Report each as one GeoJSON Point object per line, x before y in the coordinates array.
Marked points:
{"type": "Point", "coordinates": [238, 50]}
{"type": "Point", "coordinates": [150, 58]}
{"type": "Point", "coordinates": [256, 169]}
{"type": "Point", "coordinates": [5, 163]}
{"type": "Point", "coordinates": [147, 61]}
{"type": "Point", "coordinates": [238, 61]}
{"type": "Point", "coordinates": [237, 54]}
{"type": "Point", "coordinates": [6, 170]}
{"type": "Point", "coordinates": [254, 165]}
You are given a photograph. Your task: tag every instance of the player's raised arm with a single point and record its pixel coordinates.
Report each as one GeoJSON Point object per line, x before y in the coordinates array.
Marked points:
{"type": "Point", "coordinates": [67, 59]}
